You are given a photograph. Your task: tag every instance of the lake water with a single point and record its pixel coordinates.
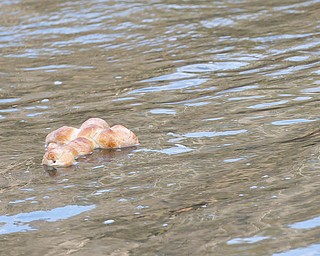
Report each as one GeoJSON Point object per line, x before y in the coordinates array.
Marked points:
{"type": "Point", "coordinates": [224, 97]}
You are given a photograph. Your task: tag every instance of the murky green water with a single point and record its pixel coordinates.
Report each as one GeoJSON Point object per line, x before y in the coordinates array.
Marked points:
{"type": "Point", "coordinates": [224, 96]}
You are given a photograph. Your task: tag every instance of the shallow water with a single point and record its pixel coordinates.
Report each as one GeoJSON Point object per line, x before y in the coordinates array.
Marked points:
{"type": "Point", "coordinates": [224, 96]}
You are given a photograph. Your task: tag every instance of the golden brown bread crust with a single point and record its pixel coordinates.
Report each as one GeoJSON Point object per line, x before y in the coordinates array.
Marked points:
{"type": "Point", "coordinates": [82, 146]}
{"type": "Point", "coordinates": [63, 135]}
{"type": "Point", "coordinates": [98, 122]}
{"type": "Point", "coordinates": [117, 136]}
{"type": "Point", "coordinates": [90, 132]}
{"type": "Point", "coordinates": [124, 136]}
{"type": "Point", "coordinates": [65, 144]}
{"type": "Point", "coordinates": [60, 156]}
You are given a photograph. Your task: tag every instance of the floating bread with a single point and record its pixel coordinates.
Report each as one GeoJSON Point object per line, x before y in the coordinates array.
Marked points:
{"type": "Point", "coordinates": [66, 144]}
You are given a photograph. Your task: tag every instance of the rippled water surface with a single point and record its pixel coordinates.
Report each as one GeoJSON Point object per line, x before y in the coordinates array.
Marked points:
{"type": "Point", "coordinates": [224, 96]}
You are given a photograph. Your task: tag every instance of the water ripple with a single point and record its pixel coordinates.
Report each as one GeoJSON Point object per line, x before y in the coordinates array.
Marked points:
{"type": "Point", "coordinates": [177, 149]}
{"type": "Point", "coordinates": [217, 22]}
{"type": "Point", "coordinates": [173, 76]}
{"type": "Point", "coordinates": [247, 240]}
{"type": "Point", "coordinates": [177, 85]}
{"type": "Point", "coordinates": [9, 100]}
{"type": "Point", "coordinates": [269, 104]}
{"type": "Point", "coordinates": [307, 224]}
{"type": "Point", "coordinates": [292, 121]}
{"type": "Point", "coordinates": [211, 67]}
{"type": "Point", "coordinates": [213, 134]}
{"type": "Point", "coordinates": [311, 250]}
{"type": "Point", "coordinates": [20, 222]}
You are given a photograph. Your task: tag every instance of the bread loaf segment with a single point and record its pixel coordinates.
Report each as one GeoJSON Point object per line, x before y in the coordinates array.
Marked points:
{"type": "Point", "coordinates": [62, 155]}
{"type": "Point", "coordinates": [82, 146]}
{"type": "Point", "coordinates": [90, 132]}
{"type": "Point", "coordinates": [63, 135]}
{"type": "Point", "coordinates": [97, 122]}
{"type": "Point", "coordinates": [117, 136]}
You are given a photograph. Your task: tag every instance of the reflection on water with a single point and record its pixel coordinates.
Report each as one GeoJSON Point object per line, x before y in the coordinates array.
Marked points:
{"type": "Point", "coordinates": [312, 250]}
{"type": "Point", "coordinates": [307, 224]}
{"type": "Point", "coordinates": [213, 134]}
{"type": "Point", "coordinates": [20, 222]}
{"type": "Point", "coordinates": [249, 240]}
{"type": "Point", "coordinates": [223, 96]}
{"type": "Point", "coordinates": [99, 158]}
{"type": "Point", "coordinates": [182, 84]}
{"type": "Point", "coordinates": [176, 149]}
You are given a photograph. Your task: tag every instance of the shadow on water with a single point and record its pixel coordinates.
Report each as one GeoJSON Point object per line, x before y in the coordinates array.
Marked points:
{"type": "Point", "coordinates": [99, 158]}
